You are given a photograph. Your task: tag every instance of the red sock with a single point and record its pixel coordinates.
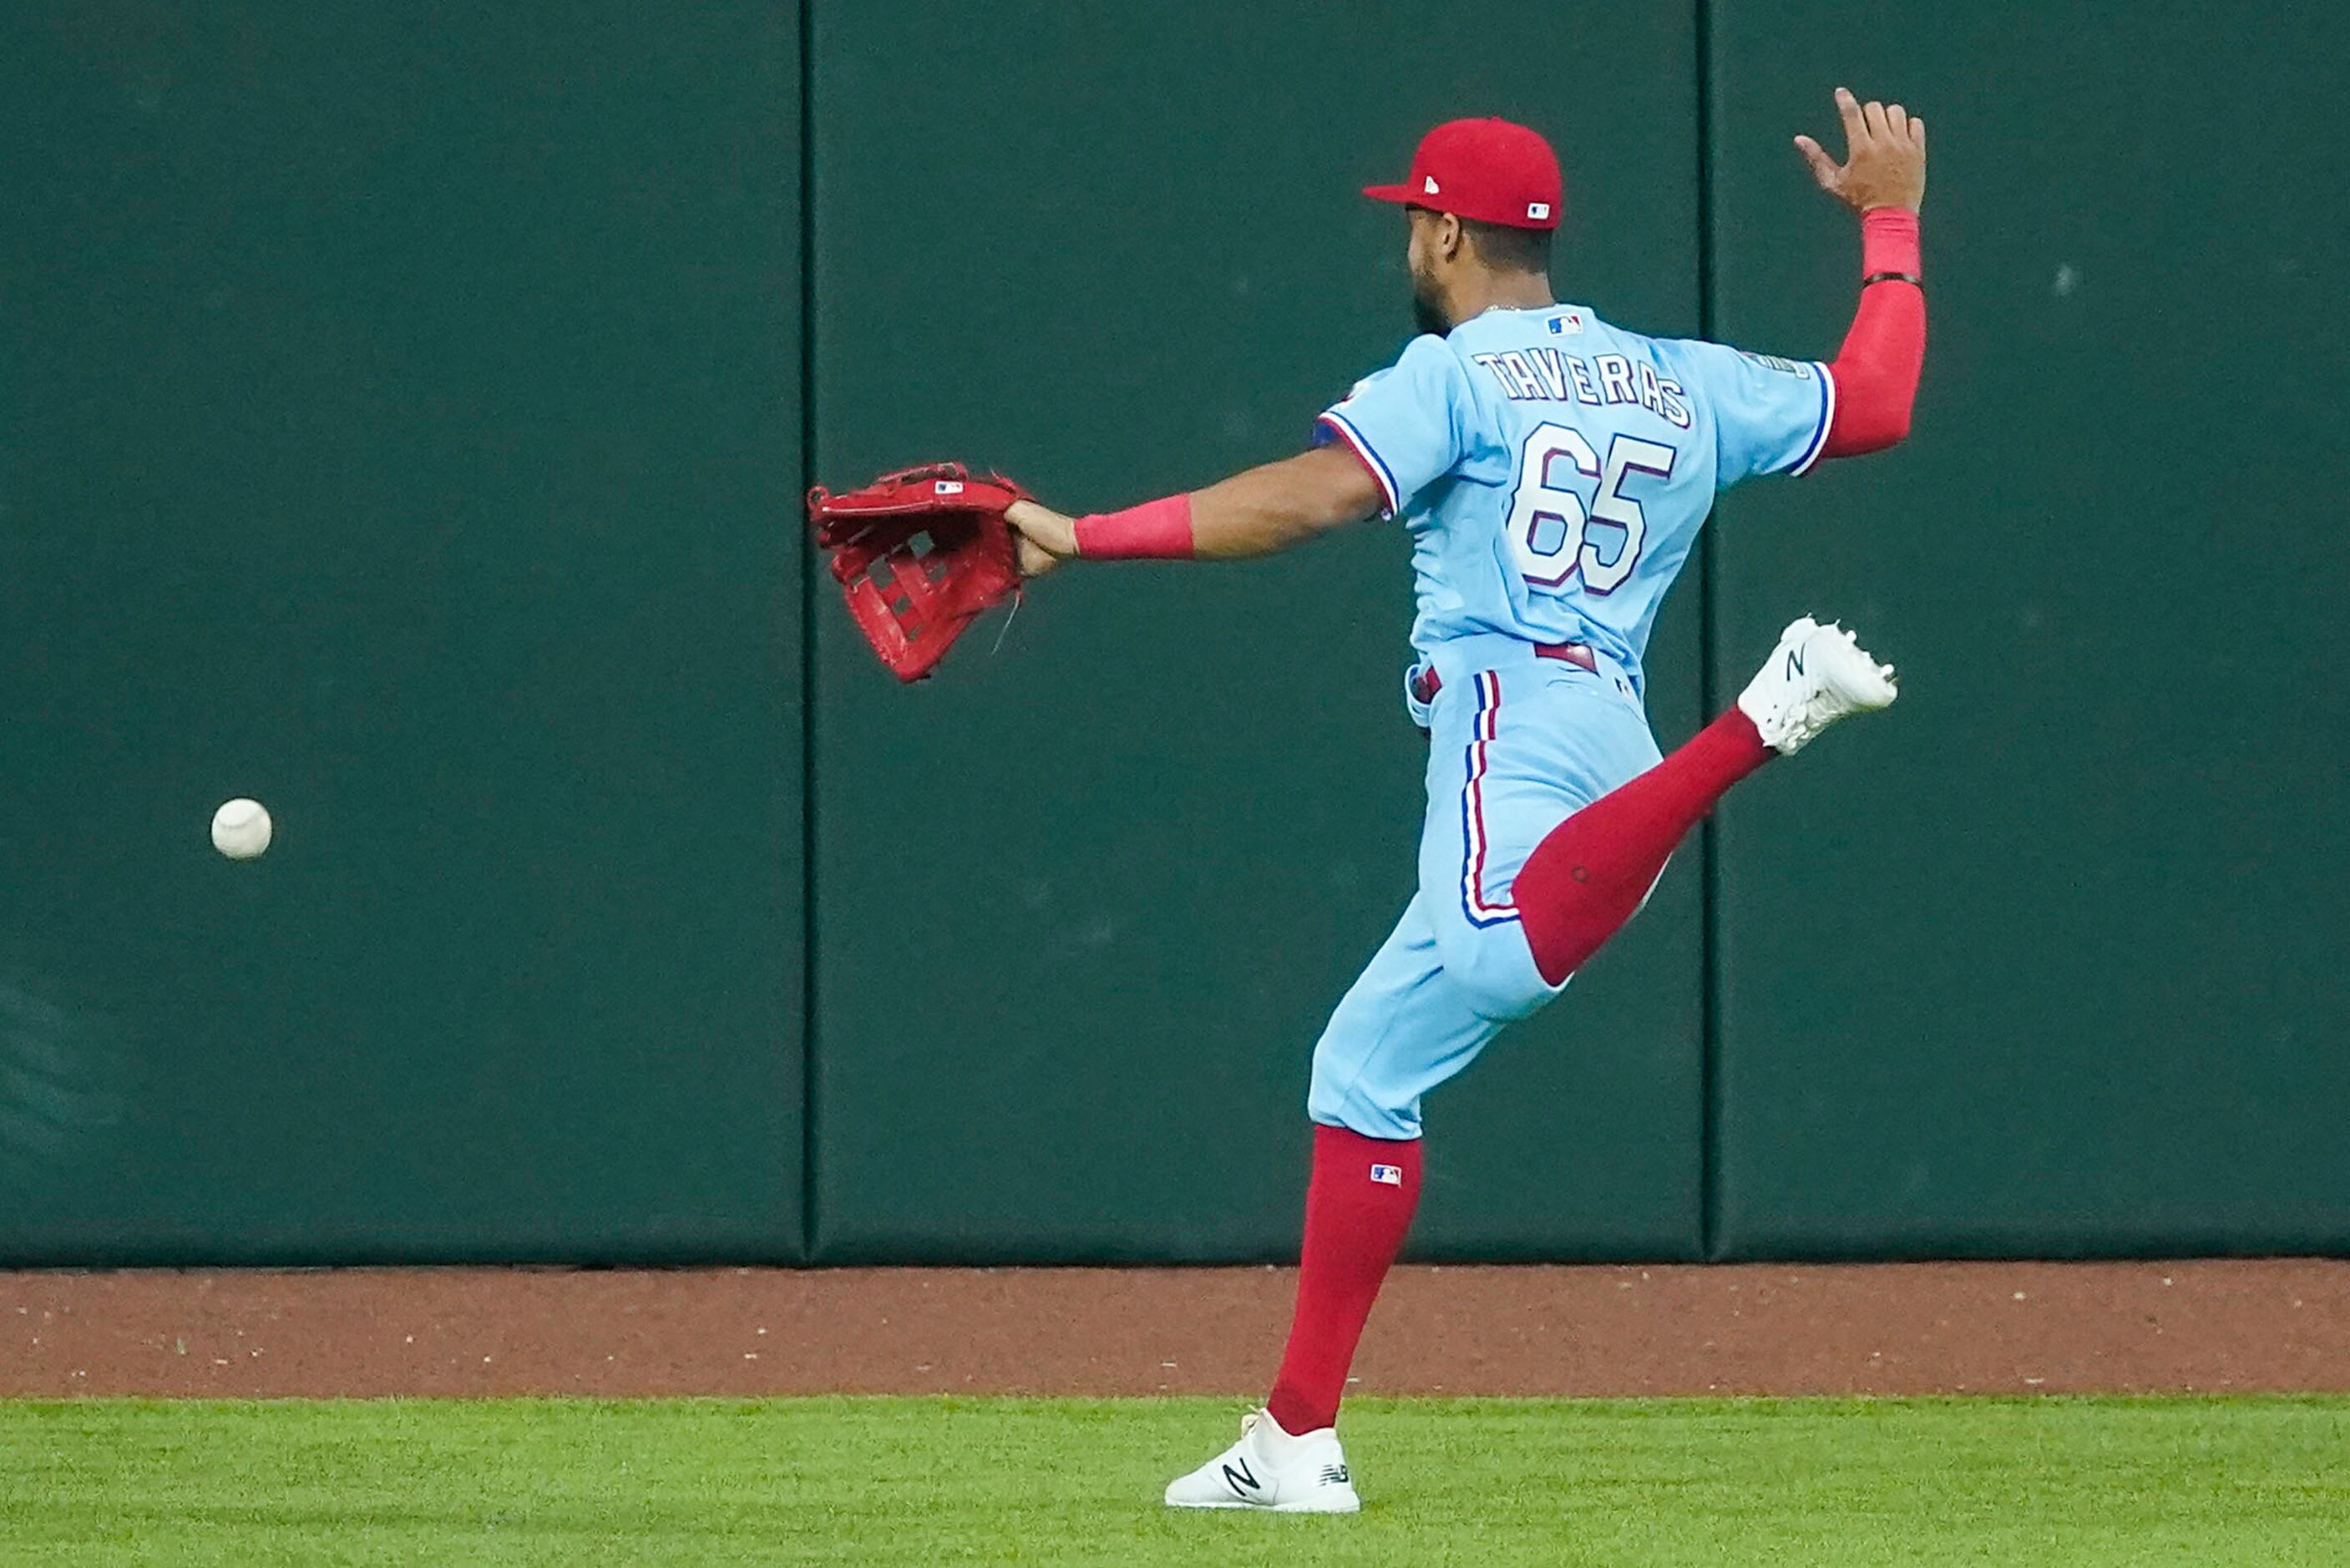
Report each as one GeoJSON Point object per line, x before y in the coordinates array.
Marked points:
{"type": "Point", "coordinates": [1584, 881]}
{"type": "Point", "coordinates": [1357, 1208]}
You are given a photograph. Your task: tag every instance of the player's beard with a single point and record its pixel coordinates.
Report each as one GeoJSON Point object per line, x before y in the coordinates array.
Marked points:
{"type": "Point", "coordinates": [1427, 312]}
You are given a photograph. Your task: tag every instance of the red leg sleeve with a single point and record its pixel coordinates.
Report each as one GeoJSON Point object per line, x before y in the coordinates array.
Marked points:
{"type": "Point", "coordinates": [1877, 371]}
{"type": "Point", "coordinates": [1357, 1208]}
{"type": "Point", "coordinates": [1587, 879]}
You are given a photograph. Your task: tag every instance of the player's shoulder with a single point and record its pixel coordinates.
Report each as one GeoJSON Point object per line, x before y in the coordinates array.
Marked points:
{"type": "Point", "coordinates": [1727, 369]}
{"type": "Point", "coordinates": [1426, 362]}
{"type": "Point", "coordinates": [1731, 355]}
{"type": "Point", "coordinates": [1431, 349]}
{"type": "Point", "coordinates": [1426, 378]}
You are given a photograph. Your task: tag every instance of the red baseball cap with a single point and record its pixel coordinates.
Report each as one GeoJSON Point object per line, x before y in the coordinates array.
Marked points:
{"type": "Point", "coordinates": [1490, 169]}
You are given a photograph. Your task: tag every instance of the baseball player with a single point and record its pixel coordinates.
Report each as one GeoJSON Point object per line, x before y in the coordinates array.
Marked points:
{"type": "Point", "coordinates": [1552, 471]}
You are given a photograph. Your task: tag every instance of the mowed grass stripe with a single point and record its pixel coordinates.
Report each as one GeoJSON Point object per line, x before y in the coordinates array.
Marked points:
{"type": "Point", "coordinates": [2042, 1480]}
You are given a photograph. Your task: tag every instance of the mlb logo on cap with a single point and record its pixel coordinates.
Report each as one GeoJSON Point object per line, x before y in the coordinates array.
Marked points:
{"type": "Point", "coordinates": [1490, 169]}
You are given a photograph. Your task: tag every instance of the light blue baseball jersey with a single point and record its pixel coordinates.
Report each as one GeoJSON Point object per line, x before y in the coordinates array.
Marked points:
{"type": "Point", "coordinates": [1554, 471]}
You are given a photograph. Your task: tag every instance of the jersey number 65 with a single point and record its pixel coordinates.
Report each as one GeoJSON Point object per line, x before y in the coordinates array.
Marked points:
{"type": "Point", "coordinates": [1563, 490]}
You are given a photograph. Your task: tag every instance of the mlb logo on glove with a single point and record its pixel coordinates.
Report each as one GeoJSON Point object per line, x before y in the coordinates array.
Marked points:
{"type": "Point", "coordinates": [918, 555]}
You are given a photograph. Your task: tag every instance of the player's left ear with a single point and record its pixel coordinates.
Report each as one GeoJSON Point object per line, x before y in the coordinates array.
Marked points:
{"type": "Point", "coordinates": [1445, 236]}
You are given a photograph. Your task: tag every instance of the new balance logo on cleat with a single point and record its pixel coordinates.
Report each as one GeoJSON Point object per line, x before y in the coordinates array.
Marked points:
{"type": "Point", "coordinates": [1817, 675]}
{"type": "Point", "coordinates": [1269, 1471]}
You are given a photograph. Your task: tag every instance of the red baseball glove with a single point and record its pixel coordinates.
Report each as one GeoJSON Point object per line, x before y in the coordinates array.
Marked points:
{"type": "Point", "coordinates": [920, 555]}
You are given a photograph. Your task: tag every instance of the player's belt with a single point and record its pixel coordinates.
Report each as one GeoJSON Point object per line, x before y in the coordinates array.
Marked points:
{"type": "Point", "coordinates": [1426, 683]}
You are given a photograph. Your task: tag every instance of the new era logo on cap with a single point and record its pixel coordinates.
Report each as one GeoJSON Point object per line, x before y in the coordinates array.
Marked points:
{"type": "Point", "coordinates": [1388, 1175]}
{"type": "Point", "coordinates": [1428, 185]}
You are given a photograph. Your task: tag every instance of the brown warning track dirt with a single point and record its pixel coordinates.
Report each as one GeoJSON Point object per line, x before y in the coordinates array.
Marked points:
{"type": "Point", "coordinates": [1762, 1329]}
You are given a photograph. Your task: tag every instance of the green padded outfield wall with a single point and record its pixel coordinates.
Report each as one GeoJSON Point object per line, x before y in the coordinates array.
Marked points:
{"type": "Point", "coordinates": [2052, 959]}
{"type": "Point", "coordinates": [401, 417]}
{"type": "Point", "coordinates": [1086, 901]}
{"type": "Point", "coordinates": [398, 406]}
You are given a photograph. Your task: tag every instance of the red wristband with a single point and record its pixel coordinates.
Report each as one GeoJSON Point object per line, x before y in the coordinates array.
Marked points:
{"type": "Point", "coordinates": [1157, 530]}
{"type": "Point", "coordinates": [1888, 242]}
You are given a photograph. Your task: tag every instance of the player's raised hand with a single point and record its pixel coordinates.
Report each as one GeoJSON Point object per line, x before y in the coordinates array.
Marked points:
{"type": "Point", "coordinates": [1885, 156]}
{"type": "Point", "coordinates": [1044, 537]}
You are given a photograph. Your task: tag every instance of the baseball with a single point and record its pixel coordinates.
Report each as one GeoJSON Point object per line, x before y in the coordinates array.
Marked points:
{"type": "Point", "coordinates": [241, 828]}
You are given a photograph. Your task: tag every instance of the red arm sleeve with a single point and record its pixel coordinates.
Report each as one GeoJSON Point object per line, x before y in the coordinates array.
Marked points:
{"type": "Point", "coordinates": [1875, 372]}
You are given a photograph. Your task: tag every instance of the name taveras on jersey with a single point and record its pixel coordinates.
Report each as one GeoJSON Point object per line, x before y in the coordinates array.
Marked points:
{"type": "Point", "coordinates": [1547, 374]}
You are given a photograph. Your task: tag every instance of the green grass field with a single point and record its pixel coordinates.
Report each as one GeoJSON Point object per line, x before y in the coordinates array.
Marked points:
{"type": "Point", "coordinates": [2048, 1481]}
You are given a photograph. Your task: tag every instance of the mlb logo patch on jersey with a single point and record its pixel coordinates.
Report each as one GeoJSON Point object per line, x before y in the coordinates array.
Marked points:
{"type": "Point", "coordinates": [1388, 1175]}
{"type": "Point", "coordinates": [1566, 324]}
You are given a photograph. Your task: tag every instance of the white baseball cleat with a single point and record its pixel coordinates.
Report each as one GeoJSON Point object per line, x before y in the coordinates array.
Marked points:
{"type": "Point", "coordinates": [1816, 676]}
{"type": "Point", "coordinates": [1269, 1469]}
